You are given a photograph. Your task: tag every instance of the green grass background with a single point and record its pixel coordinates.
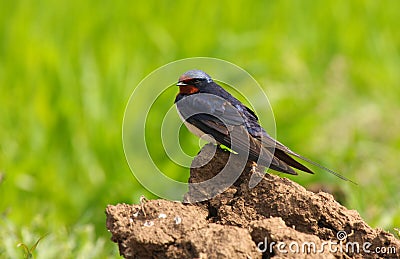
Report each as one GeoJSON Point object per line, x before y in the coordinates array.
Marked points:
{"type": "Point", "coordinates": [67, 68]}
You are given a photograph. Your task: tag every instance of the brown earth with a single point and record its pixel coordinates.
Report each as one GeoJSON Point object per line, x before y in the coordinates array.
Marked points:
{"type": "Point", "coordinates": [237, 223]}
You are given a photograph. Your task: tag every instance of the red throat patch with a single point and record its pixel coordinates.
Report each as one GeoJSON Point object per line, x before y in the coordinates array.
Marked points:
{"type": "Point", "coordinates": [188, 89]}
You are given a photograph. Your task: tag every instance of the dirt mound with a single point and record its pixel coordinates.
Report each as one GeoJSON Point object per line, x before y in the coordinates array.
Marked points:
{"type": "Point", "coordinates": [277, 218]}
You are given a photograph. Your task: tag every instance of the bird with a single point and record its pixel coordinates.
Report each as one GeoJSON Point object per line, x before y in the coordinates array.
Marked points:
{"type": "Point", "coordinates": [212, 113]}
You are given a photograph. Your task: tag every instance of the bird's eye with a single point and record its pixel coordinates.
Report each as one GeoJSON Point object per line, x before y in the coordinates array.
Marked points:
{"type": "Point", "coordinates": [197, 80]}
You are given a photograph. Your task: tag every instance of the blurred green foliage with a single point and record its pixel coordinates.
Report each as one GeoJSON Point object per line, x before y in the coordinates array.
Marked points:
{"type": "Point", "coordinates": [67, 69]}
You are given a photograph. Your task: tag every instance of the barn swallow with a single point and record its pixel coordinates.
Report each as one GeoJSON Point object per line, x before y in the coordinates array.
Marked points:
{"type": "Point", "coordinates": [210, 112]}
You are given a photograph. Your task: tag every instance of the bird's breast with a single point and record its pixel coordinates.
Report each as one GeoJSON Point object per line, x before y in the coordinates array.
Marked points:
{"type": "Point", "coordinates": [196, 131]}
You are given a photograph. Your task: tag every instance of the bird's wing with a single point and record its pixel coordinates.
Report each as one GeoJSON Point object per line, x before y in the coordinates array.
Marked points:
{"type": "Point", "coordinates": [238, 139]}
{"type": "Point", "coordinates": [282, 152]}
{"type": "Point", "coordinates": [209, 104]}
{"type": "Point", "coordinates": [215, 116]}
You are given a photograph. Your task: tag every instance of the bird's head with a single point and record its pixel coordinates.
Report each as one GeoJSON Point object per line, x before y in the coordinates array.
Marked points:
{"type": "Point", "coordinates": [193, 81]}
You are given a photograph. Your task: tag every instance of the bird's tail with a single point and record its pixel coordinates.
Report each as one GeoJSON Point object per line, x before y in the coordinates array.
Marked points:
{"type": "Point", "coordinates": [321, 166]}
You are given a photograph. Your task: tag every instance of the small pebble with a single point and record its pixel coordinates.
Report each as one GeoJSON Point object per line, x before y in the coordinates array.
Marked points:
{"type": "Point", "coordinates": [178, 220]}
{"type": "Point", "coordinates": [162, 216]}
{"type": "Point", "coordinates": [148, 223]}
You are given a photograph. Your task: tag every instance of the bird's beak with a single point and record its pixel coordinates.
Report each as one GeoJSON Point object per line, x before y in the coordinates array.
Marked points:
{"type": "Point", "coordinates": [180, 83]}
